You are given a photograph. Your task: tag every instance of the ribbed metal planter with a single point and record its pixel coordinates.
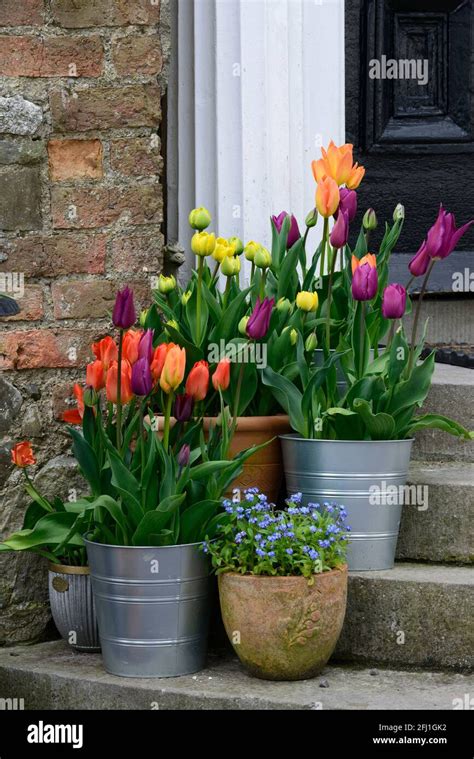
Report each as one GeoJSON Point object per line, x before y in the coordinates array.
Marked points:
{"type": "Point", "coordinates": [152, 608]}
{"type": "Point", "coordinates": [359, 475]}
{"type": "Point", "coordinates": [72, 606]}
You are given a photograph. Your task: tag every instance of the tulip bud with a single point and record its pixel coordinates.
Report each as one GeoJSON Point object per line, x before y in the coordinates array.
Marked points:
{"type": "Point", "coordinates": [184, 456]}
{"type": "Point", "coordinates": [293, 337]}
{"type": "Point", "coordinates": [370, 220]}
{"type": "Point", "coordinates": [203, 244]}
{"type": "Point", "coordinates": [251, 249]}
{"type": "Point", "coordinates": [172, 323]}
{"type": "Point", "coordinates": [307, 302]}
{"type": "Point", "coordinates": [230, 267]}
{"type": "Point", "coordinates": [243, 325]}
{"type": "Point", "coordinates": [237, 244]}
{"type": "Point", "coordinates": [185, 297]}
{"type": "Point", "coordinates": [312, 218]}
{"type": "Point", "coordinates": [284, 306]}
{"type": "Point", "coordinates": [200, 219]}
{"type": "Point", "coordinates": [263, 259]}
{"type": "Point", "coordinates": [311, 343]}
{"type": "Point", "coordinates": [399, 213]}
{"type": "Point", "coordinates": [143, 317]}
{"type": "Point", "coordinates": [166, 284]}
{"type": "Point", "coordinates": [90, 397]}
{"type": "Point", "coordinates": [223, 249]}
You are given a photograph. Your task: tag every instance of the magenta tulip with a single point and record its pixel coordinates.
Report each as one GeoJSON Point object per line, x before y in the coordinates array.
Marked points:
{"type": "Point", "coordinates": [294, 233]}
{"type": "Point", "coordinates": [394, 302]}
{"type": "Point", "coordinates": [443, 235]}
{"type": "Point", "coordinates": [259, 322]}
{"type": "Point", "coordinates": [348, 202]}
{"type": "Point", "coordinates": [145, 348]}
{"type": "Point", "coordinates": [142, 383]}
{"type": "Point", "coordinates": [184, 456]}
{"type": "Point", "coordinates": [124, 315]}
{"type": "Point", "coordinates": [419, 264]}
{"type": "Point", "coordinates": [365, 282]}
{"type": "Point", "coordinates": [183, 408]}
{"type": "Point", "coordinates": [340, 232]}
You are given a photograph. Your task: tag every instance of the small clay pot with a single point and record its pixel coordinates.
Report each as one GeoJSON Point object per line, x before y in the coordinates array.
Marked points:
{"type": "Point", "coordinates": [283, 628]}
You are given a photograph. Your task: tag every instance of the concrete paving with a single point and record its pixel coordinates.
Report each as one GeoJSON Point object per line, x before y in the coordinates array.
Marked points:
{"type": "Point", "coordinates": [51, 676]}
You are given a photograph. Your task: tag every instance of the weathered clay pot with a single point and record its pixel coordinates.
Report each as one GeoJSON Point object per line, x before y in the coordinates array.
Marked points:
{"type": "Point", "coordinates": [264, 470]}
{"type": "Point", "coordinates": [282, 628]}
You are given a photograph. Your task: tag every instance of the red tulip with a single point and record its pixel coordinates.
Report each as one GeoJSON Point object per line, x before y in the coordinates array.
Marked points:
{"type": "Point", "coordinates": [111, 386]}
{"type": "Point", "coordinates": [106, 351]}
{"type": "Point", "coordinates": [95, 375]}
{"type": "Point", "coordinates": [131, 345]}
{"type": "Point", "coordinates": [221, 377]}
{"type": "Point", "coordinates": [197, 383]}
{"type": "Point", "coordinates": [75, 416]}
{"type": "Point", "coordinates": [22, 455]}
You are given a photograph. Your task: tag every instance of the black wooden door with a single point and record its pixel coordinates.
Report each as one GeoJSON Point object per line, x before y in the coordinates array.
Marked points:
{"type": "Point", "coordinates": [415, 135]}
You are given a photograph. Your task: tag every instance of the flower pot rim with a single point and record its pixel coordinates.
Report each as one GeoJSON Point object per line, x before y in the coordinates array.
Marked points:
{"type": "Point", "coordinates": [65, 569]}
{"type": "Point", "coordinates": [141, 548]}
{"type": "Point", "coordinates": [295, 436]}
{"type": "Point", "coordinates": [249, 423]}
{"type": "Point", "coordinates": [343, 569]}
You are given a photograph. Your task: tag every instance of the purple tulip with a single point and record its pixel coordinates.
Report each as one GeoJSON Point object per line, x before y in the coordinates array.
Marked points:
{"type": "Point", "coordinates": [183, 408]}
{"type": "Point", "coordinates": [348, 202]}
{"type": "Point", "coordinates": [394, 302]}
{"type": "Point", "coordinates": [365, 282]}
{"type": "Point", "coordinates": [443, 235]}
{"type": "Point", "coordinates": [419, 264]}
{"type": "Point", "coordinates": [340, 232]}
{"type": "Point", "coordinates": [145, 349]}
{"type": "Point", "coordinates": [184, 456]}
{"type": "Point", "coordinates": [142, 382]}
{"type": "Point", "coordinates": [124, 315]}
{"type": "Point", "coordinates": [294, 233]}
{"type": "Point", "coordinates": [259, 322]}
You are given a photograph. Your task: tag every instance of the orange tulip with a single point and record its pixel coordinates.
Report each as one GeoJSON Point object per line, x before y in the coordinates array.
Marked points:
{"type": "Point", "coordinates": [368, 259]}
{"type": "Point", "coordinates": [106, 351]}
{"type": "Point", "coordinates": [197, 383]}
{"type": "Point", "coordinates": [335, 163]}
{"type": "Point", "coordinates": [159, 358]}
{"type": "Point", "coordinates": [173, 369]}
{"type": "Point", "coordinates": [356, 177]}
{"type": "Point", "coordinates": [74, 416]}
{"type": "Point", "coordinates": [221, 377]}
{"type": "Point", "coordinates": [95, 375]}
{"type": "Point", "coordinates": [22, 455]}
{"type": "Point", "coordinates": [111, 385]}
{"type": "Point", "coordinates": [327, 197]}
{"type": "Point", "coordinates": [131, 342]}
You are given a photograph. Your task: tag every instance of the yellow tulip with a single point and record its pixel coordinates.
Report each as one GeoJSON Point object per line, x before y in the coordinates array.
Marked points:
{"type": "Point", "coordinates": [263, 259]}
{"type": "Point", "coordinates": [230, 267]}
{"type": "Point", "coordinates": [308, 302]}
{"type": "Point", "coordinates": [203, 244]}
{"type": "Point", "coordinates": [251, 249]}
{"type": "Point", "coordinates": [223, 249]}
{"type": "Point", "coordinates": [200, 219]}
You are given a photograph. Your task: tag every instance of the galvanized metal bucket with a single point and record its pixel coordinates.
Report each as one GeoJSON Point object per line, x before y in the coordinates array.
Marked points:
{"type": "Point", "coordinates": [360, 475]}
{"type": "Point", "coordinates": [72, 606]}
{"type": "Point", "coordinates": [153, 608]}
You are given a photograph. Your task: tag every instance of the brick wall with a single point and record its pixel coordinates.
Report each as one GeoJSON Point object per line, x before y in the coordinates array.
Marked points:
{"type": "Point", "coordinates": [81, 210]}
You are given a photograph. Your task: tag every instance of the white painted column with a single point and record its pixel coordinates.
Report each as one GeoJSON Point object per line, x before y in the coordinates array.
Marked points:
{"type": "Point", "coordinates": [261, 88]}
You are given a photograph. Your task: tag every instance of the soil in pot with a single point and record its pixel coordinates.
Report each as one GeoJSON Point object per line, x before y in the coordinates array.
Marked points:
{"type": "Point", "coordinates": [283, 628]}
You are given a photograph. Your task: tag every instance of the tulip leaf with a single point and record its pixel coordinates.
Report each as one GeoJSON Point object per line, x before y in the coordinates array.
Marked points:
{"type": "Point", "coordinates": [412, 391]}
{"type": "Point", "coordinates": [379, 426]}
{"type": "Point", "coordinates": [86, 459]}
{"type": "Point", "coordinates": [128, 487]}
{"type": "Point", "coordinates": [198, 333]}
{"type": "Point", "coordinates": [195, 519]}
{"type": "Point", "coordinates": [226, 328]}
{"type": "Point", "coordinates": [437, 422]}
{"type": "Point", "coordinates": [360, 341]}
{"type": "Point", "coordinates": [288, 396]}
{"type": "Point", "coordinates": [288, 270]}
{"type": "Point", "coordinates": [52, 531]}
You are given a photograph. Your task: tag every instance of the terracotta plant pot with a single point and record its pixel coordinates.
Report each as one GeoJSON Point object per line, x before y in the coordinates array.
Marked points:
{"type": "Point", "coordinates": [282, 628]}
{"type": "Point", "coordinates": [264, 470]}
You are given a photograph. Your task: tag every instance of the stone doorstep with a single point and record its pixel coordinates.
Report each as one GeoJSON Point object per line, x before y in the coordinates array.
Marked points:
{"type": "Point", "coordinates": [50, 676]}
{"type": "Point", "coordinates": [452, 395]}
{"type": "Point", "coordinates": [415, 615]}
{"type": "Point", "coordinates": [444, 532]}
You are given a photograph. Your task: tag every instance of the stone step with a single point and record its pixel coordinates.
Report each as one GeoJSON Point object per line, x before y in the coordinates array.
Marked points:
{"type": "Point", "coordinates": [414, 615]}
{"type": "Point", "coordinates": [51, 676]}
{"type": "Point", "coordinates": [440, 527]}
{"type": "Point", "coordinates": [450, 320]}
{"type": "Point", "coordinates": [452, 395]}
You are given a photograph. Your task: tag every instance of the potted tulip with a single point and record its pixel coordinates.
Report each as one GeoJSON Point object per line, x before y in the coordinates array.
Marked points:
{"type": "Point", "coordinates": [282, 584]}
{"type": "Point", "coordinates": [354, 438]}
{"type": "Point", "coordinates": [48, 530]}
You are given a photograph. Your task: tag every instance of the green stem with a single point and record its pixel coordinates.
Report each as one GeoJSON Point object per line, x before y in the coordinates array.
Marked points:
{"type": "Point", "coordinates": [325, 241]}
{"type": "Point", "coordinates": [417, 316]}
{"type": "Point", "coordinates": [361, 339]}
{"type": "Point", "coordinates": [44, 503]}
{"type": "Point", "coordinates": [262, 284]}
{"type": "Point", "coordinates": [237, 400]}
{"type": "Point", "coordinates": [305, 240]}
{"type": "Point", "coordinates": [119, 392]}
{"type": "Point", "coordinates": [199, 301]}
{"type": "Point", "coordinates": [166, 433]}
{"type": "Point", "coordinates": [214, 275]}
{"type": "Point", "coordinates": [252, 273]}
{"type": "Point", "coordinates": [331, 283]}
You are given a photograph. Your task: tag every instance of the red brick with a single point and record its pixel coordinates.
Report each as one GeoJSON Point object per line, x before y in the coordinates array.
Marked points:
{"type": "Point", "coordinates": [88, 13]}
{"type": "Point", "coordinates": [137, 54]}
{"type": "Point", "coordinates": [106, 108]}
{"type": "Point", "coordinates": [46, 348]}
{"type": "Point", "coordinates": [75, 159]}
{"type": "Point", "coordinates": [134, 253]}
{"type": "Point", "coordinates": [51, 56]}
{"type": "Point", "coordinates": [21, 12]}
{"type": "Point", "coordinates": [54, 256]}
{"type": "Point", "coordinates": [82, 299]}
{"type": "Point", "coordinates": [80, 208]}
{"type": "Point", "coordinates": [136, 157]}
{"type": "Point", "coordinates": [31, 304]}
